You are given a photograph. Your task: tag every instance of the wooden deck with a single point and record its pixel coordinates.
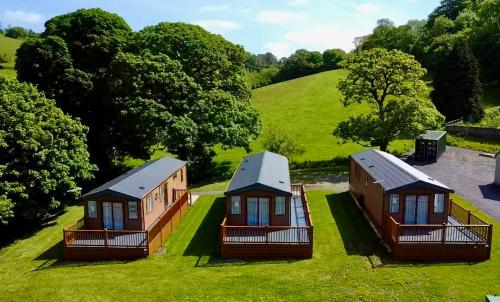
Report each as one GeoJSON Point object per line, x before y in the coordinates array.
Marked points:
{"type": "Point", "coordinates": [272, 242]}
{"type": "Point", "coordinates": [81, 244]}
{"type": "Point", "coordinates": [457, 239]}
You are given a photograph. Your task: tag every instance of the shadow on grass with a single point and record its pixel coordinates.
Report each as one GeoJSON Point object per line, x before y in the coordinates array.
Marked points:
{"type": "Point", "coordinates": [359, 238]}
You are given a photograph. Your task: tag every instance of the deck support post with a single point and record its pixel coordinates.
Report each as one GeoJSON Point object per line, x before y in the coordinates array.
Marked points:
{"type": "Point", "coordinates": [443, 233]}
{"type": "Point", "coordinates": [468, 217]}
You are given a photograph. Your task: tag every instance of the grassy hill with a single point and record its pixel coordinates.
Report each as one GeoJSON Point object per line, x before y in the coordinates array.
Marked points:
{"type": "Point", "coordinates": [309, 108]}
{"type": "Point", "coordinates": [9, 46]}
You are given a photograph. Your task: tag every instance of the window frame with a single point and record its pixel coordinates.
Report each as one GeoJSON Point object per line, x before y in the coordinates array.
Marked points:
{"type": "Point", "coordinates": [391, 209]}
{"type": "Point", "coordinates": [149, 203]}
{"type": "Point", "coordinates": [233, 202]}
{"type": "Point", "coordinates": [442, 203]}
{"type": "Point", "coordinates": [136, 210]}
{"type": "Point", "coordinates": [283, 198]}
{"type": "Point", "coordinates": [93, 214]}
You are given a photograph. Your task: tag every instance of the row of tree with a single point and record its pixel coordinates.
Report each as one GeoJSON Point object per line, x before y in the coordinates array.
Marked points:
{"type": "Point", "coordinates": [265, 69]}
{"type": "Point", "coordinates": [122, 93]}
{"type": "Point", "coordinates": [18, 32]}
{"type": "Point", "coordinates": [459, 38]}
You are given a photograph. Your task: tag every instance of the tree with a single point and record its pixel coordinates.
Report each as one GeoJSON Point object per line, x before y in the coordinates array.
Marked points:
{"type": "Point", "coordinates": [277, 140]}
{"type": "Point", "coordinates": [71, 65]}
{"type": "Point", "coordinates": [449, 9]}
{"type": "Point", "coordinates": [44, 154]}
{"type": "Point", "coordinates": [332, 58]}
{"type": "Point", "coordinates": [185, 89]}
{"type": "Point", "coordinates": [4, 58]}
{"type": "Point", "coordinates": [300, 64]}
{"type": "Point", "coordinates": [16, 32]}
{"type": "Point", "coordinates": [391, 82]}
{"type": "Point", "coordinates": [457, 89]}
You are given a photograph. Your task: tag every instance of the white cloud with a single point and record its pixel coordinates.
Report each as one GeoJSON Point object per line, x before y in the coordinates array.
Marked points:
{"type": "Point", "coordinates": [367, 8]}
{"type": "Point", "coordinates": [322, 37]}
{"type": "Point", "coordinates": [22, 16]}
{"type": "Point", "coordinates": [218, 25]}
{"type": "Point", "coordinates": [215, 8]}
{"type": "Point", "coordinates": [297, 2]}
{"type": "Point", "coordinates": [281, 17]}
{"type": "Point", "coordinates": [279, 49]}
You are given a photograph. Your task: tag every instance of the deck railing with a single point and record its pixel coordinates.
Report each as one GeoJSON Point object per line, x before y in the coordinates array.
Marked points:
{"type": "Point", "coordinates": [473, 230]}
{"type": "Point", "coordinates": [151, 239]}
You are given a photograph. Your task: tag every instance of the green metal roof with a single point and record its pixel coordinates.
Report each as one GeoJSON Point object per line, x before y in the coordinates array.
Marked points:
{"type": "Point", "coordinates": [432, 135]}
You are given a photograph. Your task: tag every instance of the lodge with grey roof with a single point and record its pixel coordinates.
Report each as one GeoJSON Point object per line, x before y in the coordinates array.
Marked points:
{"type": "Point", "coordinates": [412, 212]}
{"type": "Point", "coordinates": [131, 215]}
{"type": "Point", "coordinates": [266, 216]}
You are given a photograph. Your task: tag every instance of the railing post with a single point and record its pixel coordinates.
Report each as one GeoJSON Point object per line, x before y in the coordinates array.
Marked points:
{"type": "Point", "coordinates": [468, 217]}
{"type": "Point", "coordinates": [267, 234]}
{"type": "Point", "coordinates": [443, 234]}
{"type": "Point", "coordinates": [397, 232]}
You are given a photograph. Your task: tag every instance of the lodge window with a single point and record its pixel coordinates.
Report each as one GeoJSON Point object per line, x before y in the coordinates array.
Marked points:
{"type": "Point", "coordinates": [439, 203]}
{"type": "Point", "coordinates": [280, 205]}
{"type": "Point", "coordinates": [149, 204]}
{"type": "Point", "coordinates": [92, 209]}
{"type": "Point", "coordinates": [235, 205]}
{"type": "Point", "coordinates": [132, 209]}
{"type": "Point", "coordinates": [394, 203]}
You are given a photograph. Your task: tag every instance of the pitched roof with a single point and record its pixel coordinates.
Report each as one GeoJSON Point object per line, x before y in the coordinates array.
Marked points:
{"type": "Point", "coordinates": [393, 174]}
{"type": "Point", "coordinates": [138, 182]}
{"type": "Point", "coordinates": [265, 170]}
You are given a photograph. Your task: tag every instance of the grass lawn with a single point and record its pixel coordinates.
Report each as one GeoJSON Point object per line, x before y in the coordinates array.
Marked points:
{"type": "Point", "coordinates": [9, 46]}
{"type": "Point", "coordinates": [347, 265]}
{"type": "Point", "coordinates": [474, 143]}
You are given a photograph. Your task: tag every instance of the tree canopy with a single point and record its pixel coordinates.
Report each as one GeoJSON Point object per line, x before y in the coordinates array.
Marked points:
{"type": "Point", "coordinates": [171, 85]}
{"type": "Point", "coordinates": [391, 82]}
{"type": "Point", "coordinates": [44, 154]}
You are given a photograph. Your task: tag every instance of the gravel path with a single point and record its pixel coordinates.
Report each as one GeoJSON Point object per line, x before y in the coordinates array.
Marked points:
{"type": "Point", "coordinates": [470, 174]}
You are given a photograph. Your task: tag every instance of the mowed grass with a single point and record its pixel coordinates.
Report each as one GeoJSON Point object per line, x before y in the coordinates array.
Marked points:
{"type": "Point", "coordinates": [308, 108]}
{"type": "Point", "coordinates": [9, 46]}
{"type": "Point", "coordinates": [348, 265]}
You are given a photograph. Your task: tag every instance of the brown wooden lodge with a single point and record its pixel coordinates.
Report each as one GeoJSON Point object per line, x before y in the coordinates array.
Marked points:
{"type": "Point", "coordinates": [413, 213]}
{"type": "Point", "coordinates": [130, 216]}
{"type": "Point", "coordinates": [267, 217]}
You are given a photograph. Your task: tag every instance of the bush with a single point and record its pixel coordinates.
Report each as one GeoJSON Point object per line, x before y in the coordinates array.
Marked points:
{"type": "Point", "coordinates": [263, 77]}
{"type": "Point", "coordinates": [277, 140]}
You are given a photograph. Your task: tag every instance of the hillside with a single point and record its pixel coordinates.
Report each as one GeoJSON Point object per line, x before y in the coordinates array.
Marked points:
{"type": "Point", "coordinates": [9, 46]}
{"type": "Point", "coordinates": [309, 108]}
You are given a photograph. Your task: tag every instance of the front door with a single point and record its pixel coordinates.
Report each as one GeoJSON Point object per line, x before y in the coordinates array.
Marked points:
{"type": "Point", "coordinates": [112, 215]}
{"type": "Point", "coordinates": [416, 209]}
{"type": "Point", "coordinates": [257, 211]}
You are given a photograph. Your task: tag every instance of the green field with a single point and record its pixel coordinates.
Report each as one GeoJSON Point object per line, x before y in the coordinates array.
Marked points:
{"type": "Point", "coordinates": [309, 108]}
{"type": "Point", "coordinates": [9, 46]}
{"type": "Point", "coordinates": [347, 265]}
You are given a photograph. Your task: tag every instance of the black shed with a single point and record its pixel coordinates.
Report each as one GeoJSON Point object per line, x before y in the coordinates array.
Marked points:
{"type": "Point", "coordinates": [430, 145]}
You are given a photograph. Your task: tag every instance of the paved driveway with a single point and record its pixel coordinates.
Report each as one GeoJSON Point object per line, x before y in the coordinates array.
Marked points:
{"type": "Point", "coordinates": [470, 174]}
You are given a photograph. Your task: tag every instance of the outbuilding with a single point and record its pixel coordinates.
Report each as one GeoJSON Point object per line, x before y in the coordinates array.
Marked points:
{"type": "Point", "coordinates": [430, 145]}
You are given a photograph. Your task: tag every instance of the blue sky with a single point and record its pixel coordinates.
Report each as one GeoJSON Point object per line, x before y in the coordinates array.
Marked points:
{"type": "Point", "coordinates": [279, 26]}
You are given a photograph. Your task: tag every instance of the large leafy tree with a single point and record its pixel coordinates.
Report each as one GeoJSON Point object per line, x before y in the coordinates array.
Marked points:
{"type": "Point", "coordinates": [391, 82]}
{"type": "Point", "coordinates": [43, 154]}
{"type": "Point", "coordinates": [173, 105]}
{"type": "Point", "coordinates": [71, 64]}
{"type": "Point", "coordinates": [300, 64]}
{"type": "Point", "coordinates": [457, 89]}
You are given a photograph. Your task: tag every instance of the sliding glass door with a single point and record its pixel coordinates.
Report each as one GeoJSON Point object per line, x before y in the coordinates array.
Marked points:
{"type": "Point", "coordinates": [257, 211]}
{"type": "Point", "coordinates": [416, 209]}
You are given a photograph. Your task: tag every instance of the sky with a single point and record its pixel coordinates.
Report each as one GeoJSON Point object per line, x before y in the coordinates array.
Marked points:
{"type": "Point", "coordinates": [278, 26]}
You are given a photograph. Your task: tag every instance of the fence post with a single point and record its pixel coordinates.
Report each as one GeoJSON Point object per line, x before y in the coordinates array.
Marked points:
{"type": "Point", "coordinates": [397, 232]}
{"type": "Point", "coordinates": [267, 234]}
{"type": "Point", "coordinates": [443, 234]}
{"type": "Point", "coordinates": [468, 217]}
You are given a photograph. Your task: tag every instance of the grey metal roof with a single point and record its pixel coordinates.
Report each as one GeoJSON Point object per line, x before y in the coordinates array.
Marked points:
{"type": "Point", "coordinates": [432, 135]}
{"type": "Point", "coordinates": [138, 182]}
{"type": "Point", "coordinates": [261, 171]}
{"type": "Point", "coordinates": [393, 174]}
